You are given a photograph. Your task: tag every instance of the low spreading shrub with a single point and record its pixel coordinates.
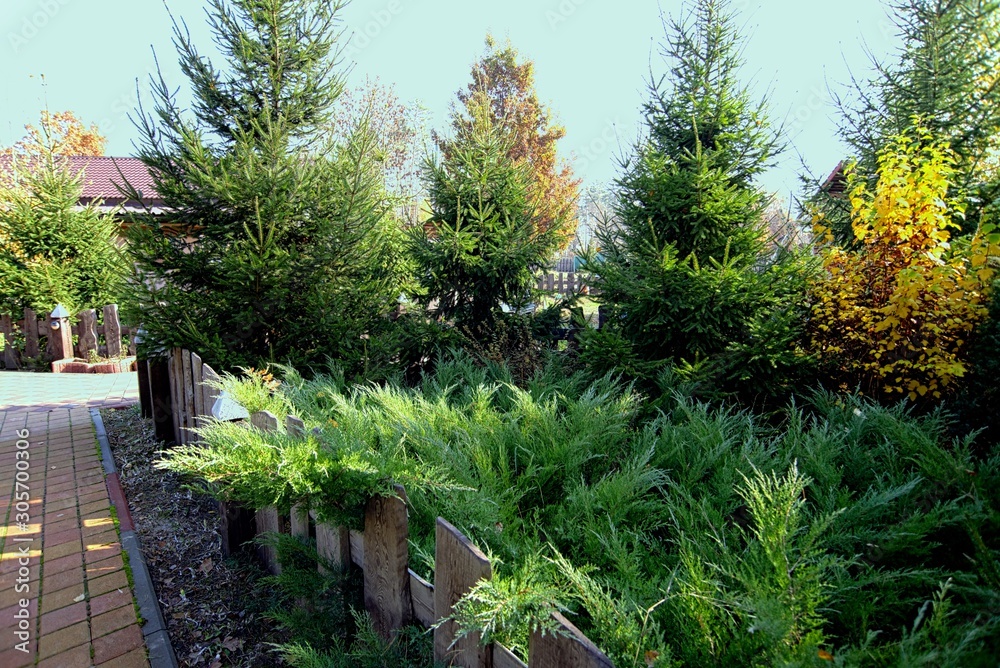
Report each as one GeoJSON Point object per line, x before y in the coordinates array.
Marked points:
{"type": "Point", "coordinates": [850, 532]}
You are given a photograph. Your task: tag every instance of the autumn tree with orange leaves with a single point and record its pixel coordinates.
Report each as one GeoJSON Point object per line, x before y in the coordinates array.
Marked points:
{"type": "Point", "coordinates": [505, 82]}
{"type": "Point", "coordinates": [63, 133]}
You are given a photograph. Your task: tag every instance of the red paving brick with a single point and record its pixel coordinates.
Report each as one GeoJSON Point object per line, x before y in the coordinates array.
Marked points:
{"type": "Point", "coordinates": [81, 610]}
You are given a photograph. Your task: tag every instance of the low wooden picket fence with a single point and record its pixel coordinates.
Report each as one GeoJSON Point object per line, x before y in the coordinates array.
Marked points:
{"type": "Point", "coordinates": [103, 338]}
{"type": "Point", "coordinates": [563, 282]}
{"type": "Point", "coordinates": [395, 596]}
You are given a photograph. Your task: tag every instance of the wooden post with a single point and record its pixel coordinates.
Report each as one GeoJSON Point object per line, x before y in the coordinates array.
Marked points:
{"type": "Point", "coordinates": [30, 330]}
{"type": "Point", "coordinates": [160, 398]}
{"type": "Point", "coordinates": [300, 513]}
{"type": "Point", "coordinates": [458, 566]}
{"type": "Point", "coordinates": [88, 333]}
{"type": "Point", "coordinates": [9, 353]}
{"type": "Point", "coordinates": [267, 518]}
{"type": "Point", "coordinates": [209, 393]}
{"type": "Point", "coordinates": [176, 400]}
{"type": "Point", "coordinates": [199, 397]}
{"type": "Point", "coordinates": [112, 330]}
{"type": "Point", "coordinates": [567, 648]}
{"type": "Point", "coordinates": [187, 397]}
{"type": "Point", "coordinates": [334, 545]}
{"type": "Point", "coordinates": [145, 395]}
{"type": "Point", "coordinates": [60, 346]}
{"type": "Point", "coordinates": [504, 658]}
{"type": "Point", "coordinates": [387, 579]}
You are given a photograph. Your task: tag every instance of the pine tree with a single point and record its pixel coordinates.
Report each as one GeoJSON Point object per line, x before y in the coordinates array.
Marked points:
{"type": "Point", "coordinates": [684, 267]}
{"type": "Point", "coordinates": [946, 76]}
{"type": "Point", "coordinates": [481, 245]}
{"type": "Point", "coordinates": [51, 249]}
{"type": "Point", "coordinates": [272, 244]}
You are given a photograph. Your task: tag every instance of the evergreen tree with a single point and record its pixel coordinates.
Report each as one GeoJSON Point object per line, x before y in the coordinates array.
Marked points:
{"type": "Point", "coordinates": [503, 83]}
{"type": "Point", "coordinates": [685, 268]}
{"type": "Point", "coordinates": [947, 76]}
{"type": "Point", "coordinates": [273, 244]}
{"type": "Point", "coordinates": [481, 245]}
{"type": "Point", "coordinates": [51, 249]}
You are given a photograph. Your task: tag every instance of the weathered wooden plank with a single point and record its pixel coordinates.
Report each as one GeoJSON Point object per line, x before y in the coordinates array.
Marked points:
{"type": "Point", "coordinates": [357, 540]}
{"type": "Point", "coordinates": [458, 566]}
{"type": "Point", "coordinates": [161, 399]}
{"type": "Point", "coordinates": [267, 522]}
{"type": "Point", "coordinates": [300, 521]}
{"type": "Point", "coordinates": [145, 396]}
{"type": "Point", "coordinates": [87, 341]}
{"type": "Point", "coordinates": [333, 544]}
{"type": "Point", "coordinates": [504, 658]}
{"type": "Point", "coordinates": [422, 598]}
{"type": "Point", "coordinates": [176, 374]}
{"type": "Point", "coordinates": [294, 426]}
{"type": "Point", "coordinates": [30, 330]}
{"type": "Point", "coordinates": [209, 393]}
{"type": "Point", "coordinates": [187, 397]}
{"type": "Point", "coordinates": [112, 330]}
{"type": "Point", "coordinates": [387, 577]}
{"type": "Point", "coordinates": [199, 396]}
{"type": "Point", "coordinates": [567, 648]}
{"type": "Point", "coordinates": [264, 421]}
{"type": "Point", "coordinates": [131, 340]}
{"type": "Point", "coordinates": [9, 352]}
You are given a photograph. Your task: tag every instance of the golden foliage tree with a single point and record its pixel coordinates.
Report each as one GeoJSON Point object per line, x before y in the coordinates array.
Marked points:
{"type": "Point", "coordinates": [505, 83]}
{"type": "Point", "coordinates": [893, 315]}
{"type": "Point", "coordinates": [62, 133]}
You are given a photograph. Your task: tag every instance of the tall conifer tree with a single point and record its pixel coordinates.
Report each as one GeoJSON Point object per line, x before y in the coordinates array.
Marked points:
{"type": "Point", "coordinates": [273, 244]}
{"type": "Point", "coordinates": [685, 268]}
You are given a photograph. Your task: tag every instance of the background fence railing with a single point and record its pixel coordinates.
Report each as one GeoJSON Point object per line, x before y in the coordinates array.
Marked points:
{"type": "Point", "coordinates": [30, 337]}
{"type": "Point", "coordinates": [394, 595]}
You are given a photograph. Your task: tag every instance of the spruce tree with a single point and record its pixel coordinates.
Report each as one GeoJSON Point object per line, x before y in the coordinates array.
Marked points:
{"type": "Point", "coordinates": [945, 76]}
{"type": "Point", "coordinates": [272, 244]}
{"type": "Point", "coordinates": [51, 249]}
{"type": "Point", "coordinates": [481, 246]}
{"type": "Point", "coordinates": [685, 268]}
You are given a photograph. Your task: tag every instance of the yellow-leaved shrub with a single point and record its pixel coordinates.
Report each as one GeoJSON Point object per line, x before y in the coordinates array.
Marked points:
{"type": "Point", "coordinates": [893, 315]}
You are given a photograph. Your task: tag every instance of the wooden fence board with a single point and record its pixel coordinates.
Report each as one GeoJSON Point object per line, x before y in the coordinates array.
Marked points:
{"type": "Point", "coordinates": [387, 578]}
{"type": "Point", "coordinates": [357, 541]}
{"type": "Point", "coordinates": [210, 394]}
{"type": "Point", "coordinates": [87, 341]}
{"type": "Point", "coordinates": [175, 394]}
{"type": "Point", "coordinates": [567, 648]}
{"type": "Point", "coordinates": [458, 566]}
{"type": "Point", "coordinates": [268, 522]}
{"type": "Point", "coordinates": [504, 658]}
{"type": "Point", "coordinates": [187, 397]}
{"type": "Point", "coordinates": [267, 518]}
{"type": "Point", "coordinates": [333, 544]}
{"type": "Point", "coordinates": [422, 597]}
{"type": "Point", "coordinates": [30, 330]}
{"type": "Point", "coordinates": [199, 396]}
{"type": "Point", "coordinates": [112, 330]}
{"type": "Point", "coordinates": [9, 352]}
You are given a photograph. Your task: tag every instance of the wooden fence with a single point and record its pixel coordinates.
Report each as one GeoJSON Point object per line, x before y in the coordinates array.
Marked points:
{"type": "Point", "coordinates": [103, 337]}
{"type": "Point", "coordinates": [563, 282]}
{"type": "Point", "coordinates": [394, 594]}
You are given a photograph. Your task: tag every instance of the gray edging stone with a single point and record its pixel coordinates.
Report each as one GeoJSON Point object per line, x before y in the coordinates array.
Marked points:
{"type": "Point", "coordinates": [154, 631]}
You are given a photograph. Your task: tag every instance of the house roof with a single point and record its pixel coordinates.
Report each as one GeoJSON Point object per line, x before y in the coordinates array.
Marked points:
{"type": "Point", "coordinates": [101, 177]}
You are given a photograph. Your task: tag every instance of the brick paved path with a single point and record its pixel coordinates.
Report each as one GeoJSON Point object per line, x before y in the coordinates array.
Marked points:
{"type": "Point", "coordinates": [65, 562]}
{"type": "Point", "coordinates": [20, 390]}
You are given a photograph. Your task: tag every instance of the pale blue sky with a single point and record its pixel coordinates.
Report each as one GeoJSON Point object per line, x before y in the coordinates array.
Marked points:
{"type": "Point", "coordinates": [592, 58]}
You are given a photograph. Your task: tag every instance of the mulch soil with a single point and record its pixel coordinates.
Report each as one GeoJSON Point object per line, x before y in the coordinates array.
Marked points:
{"type": "Point", "coordinates": [214, 607]}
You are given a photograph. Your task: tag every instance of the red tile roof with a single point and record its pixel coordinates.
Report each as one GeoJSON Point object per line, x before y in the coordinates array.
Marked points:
{"type": "Point", "coordinates": [102, 175]}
